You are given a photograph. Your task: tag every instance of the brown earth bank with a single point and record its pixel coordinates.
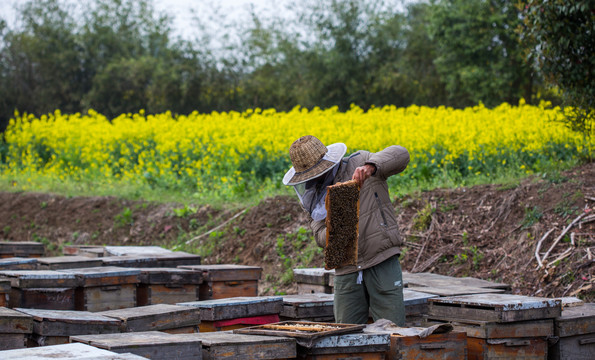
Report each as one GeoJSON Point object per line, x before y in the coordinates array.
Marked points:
{"type": "Point", "coordinates": [488, 231]}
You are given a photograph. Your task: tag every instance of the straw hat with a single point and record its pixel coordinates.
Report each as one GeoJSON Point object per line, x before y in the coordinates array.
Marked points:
{"type": "Point", "coordinates": [310, 159]}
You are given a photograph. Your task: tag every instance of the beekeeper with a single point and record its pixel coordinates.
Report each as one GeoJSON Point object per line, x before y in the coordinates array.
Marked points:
{"type": "Point", "coordinates": [374, 286]}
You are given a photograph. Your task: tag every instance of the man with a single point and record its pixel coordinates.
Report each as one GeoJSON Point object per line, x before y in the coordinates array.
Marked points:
{"type": "Point", "coordinates": [375, 285]}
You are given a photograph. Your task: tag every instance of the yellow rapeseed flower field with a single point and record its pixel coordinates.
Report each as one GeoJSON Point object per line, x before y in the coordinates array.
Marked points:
{"type": "Point", "coordinates": [233, 152]}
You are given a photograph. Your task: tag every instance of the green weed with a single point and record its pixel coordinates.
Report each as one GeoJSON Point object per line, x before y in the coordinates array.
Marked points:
{"type": "Point", "coordinates": [532, 216]}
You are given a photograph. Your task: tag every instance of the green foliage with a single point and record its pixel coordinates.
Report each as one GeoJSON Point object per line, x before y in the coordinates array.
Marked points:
{"type": "Point", "coordinates": [561, 35]}
{"type": "Point", "coordinates": [304, 247]}
{"type": "Point", "coordinates": [532, 216]}
{"type": "Point", "coordinates": [478, 54]}
{"type": "Point", "coordinates": [124, 218]}
{"type": "Point", "coordinates": [423, 218]}
{"type": "Point", "coordinates": [185, 211]}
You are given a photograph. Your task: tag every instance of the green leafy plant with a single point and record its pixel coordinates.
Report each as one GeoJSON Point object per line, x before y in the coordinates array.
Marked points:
{"type": "Point", "coordinates": [532, 216]}
{"type": "Point", "coordinates": [124, 218]}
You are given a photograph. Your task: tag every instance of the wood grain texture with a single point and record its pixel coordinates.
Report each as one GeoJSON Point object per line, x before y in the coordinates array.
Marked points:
{"type": "Point", "coordinates": [155, 317]}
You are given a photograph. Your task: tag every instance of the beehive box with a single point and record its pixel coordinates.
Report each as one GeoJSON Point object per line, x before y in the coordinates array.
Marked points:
{"type": "Point", "coordinates": [416, 306]}
{"type": "Point", "coordinates": [342, 225]}
{"type": "Point", "coordinates": [575, 330]}
{"type": "Point", "coordinates": [494, 308]}
{"type": "Point", "coordinates": [18, 263]}
{"type": "Point", "coordinates": [227, 345]}
{"type": "Point", "coordinates": [135, 250]}
{"type": "Point", "coordinates": [159, 317]}
{"type": "Point", "coordinates": [346, 346]}
{"type": "Point", "coordinates": [313, 280]}
{"type": "Point", "coordinates": [41, 289]}
{"type": "Point", "coordinates": [167, 286]}
{"type": "Point", "coordinates": [77, 351]}
{"type": "Point", "coordinates": [53, 327]}
{"type": "Point", "coordinates": [14, 327]}
{"type": "Point", "coordinates": [105, 288]}
{"type": "Point", "coordinates": [67, 262]}
{"type": "Point", "coordinates": [226, 280]}
{"type": "Point", "coordinates": [131, 261]}
{"type": "Point", "coordinates": [151, 344]}
{"type": "Point", "coordinates": [26, 249]}
{"type": "Point", "coordinates": [493, 340]}
{"type": "Point", "coordinates": [238, 312]}
{"type": "Point", "coordinates": [313, 307]}
{"type": "Point", "coordinates": [446, 346]}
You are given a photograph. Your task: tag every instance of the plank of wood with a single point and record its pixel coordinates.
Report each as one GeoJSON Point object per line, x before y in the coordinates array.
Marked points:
{"type": "Point", "coordinates": [18, 263]}
{"type": "Point", "coordinates": [308, 305]}
{"type": "Point", "coordinates": [155, 317]}
{"type": "Point", "coordinates": [447, 346]}
{"type": "Point", "coordinates": [237, 307]}
{"type": "Point", "coordinates": [150, 344]}
{"type": "Point", "coordinates": [437, 280]}
{"type": "Point", "coordinates": [314, 276]}
{"type": "Point", "coordinates": [577, 320]}
{"type": "Point", "coordinates": [66, 323]}
{"type": "Point", "coordinates": [227, 345]}
{"type": "Point", "coordinates": [178, 258]}
{"type": "Point", "coordinates": [39, 279]}
{"type": "Point", "coordinates": [11, 341]}
{"type": "Point", "coordinates": [104, 275]}
{"type": "Point", "coordinates": [16, 322]}
{"type": "Point", "coordinates": [226, 272]}
{"type": "Point", "coordinates": [21, 249]}
{"type": "Point", "coordinates": [85, 250]}
{"type": "Point", "coordinates": [454, 290]}
{"type": "Point", "coordinates": [67, 262]}
{"type": "Point", "coordinates": [73, 351]}
{"type": "Point", "coordinates": [135, 250]}
{"type": "Point", "coordinates": [131, 261]}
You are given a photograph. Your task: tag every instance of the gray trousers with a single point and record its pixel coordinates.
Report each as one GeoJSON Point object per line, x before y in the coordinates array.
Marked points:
{"type": "Point", "coordinates": [380, 294]}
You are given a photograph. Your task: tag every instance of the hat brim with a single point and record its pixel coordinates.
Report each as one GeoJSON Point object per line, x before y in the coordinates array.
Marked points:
{"type": "Point", "coordinates": [335, 153]}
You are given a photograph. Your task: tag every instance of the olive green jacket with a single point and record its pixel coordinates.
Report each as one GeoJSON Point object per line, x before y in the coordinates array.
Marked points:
{"type": "Point", "coordinates": [379, 237]}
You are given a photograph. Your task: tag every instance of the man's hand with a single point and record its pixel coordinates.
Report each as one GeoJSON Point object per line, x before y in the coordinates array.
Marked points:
{"type": "Point", "coordinates": [362, 173]}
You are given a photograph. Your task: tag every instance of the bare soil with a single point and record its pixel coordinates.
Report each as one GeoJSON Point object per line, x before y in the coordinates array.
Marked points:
{"type": "Point", "coordinates": [489, 231]}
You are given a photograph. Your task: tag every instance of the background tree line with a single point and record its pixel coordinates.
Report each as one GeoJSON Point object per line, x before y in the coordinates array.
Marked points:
{"type": "Point", "coordinates": [120, 56]}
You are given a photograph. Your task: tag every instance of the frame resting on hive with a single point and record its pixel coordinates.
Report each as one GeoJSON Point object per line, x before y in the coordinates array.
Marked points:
{"type": "Point", "coordinates": [342, 224]}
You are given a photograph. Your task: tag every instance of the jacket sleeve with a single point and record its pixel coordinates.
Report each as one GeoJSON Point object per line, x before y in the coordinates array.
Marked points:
{"type": "Point", "coordinates": [319, 231]}
{"type": "Point", "coordinates": [390, 161]}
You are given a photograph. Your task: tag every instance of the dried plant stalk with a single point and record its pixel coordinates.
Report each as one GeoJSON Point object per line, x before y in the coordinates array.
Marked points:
{"type": "Point", "coordinates": [342, 225]}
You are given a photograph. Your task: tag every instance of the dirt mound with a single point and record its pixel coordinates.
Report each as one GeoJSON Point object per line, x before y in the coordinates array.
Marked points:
{"type": "Point", "coordinates": [490, 231]}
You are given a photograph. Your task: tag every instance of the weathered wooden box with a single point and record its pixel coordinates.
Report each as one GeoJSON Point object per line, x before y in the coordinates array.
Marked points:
{"type": "Point", "coordinates": [227, 345]}
{"type": "Point", "coordinates": [167, 286]}
{"type": "Point", "coordinates": [131, 261]}
{"type": "Point", "coordinates": [158, 317]}
{"type": "Point", "coordinates": [226, 281]}
{"type": "Point", "coordinates": [361, 345]}
{"type": "Point", "coordinates": [41, 289]}
{"type": "Point", "coordinates": [526, 339]}
{"type": "Point", "coordinates": [135, 250]}
{"type": "Point", "coordinates": [447, 346]}
{"type": "Point", "coordinates": [151, 344]}
{"type": "Point", "coordinates": [494, 307]}
{"type": "Point", "coordinates": [53, 327]}
{"type": "Point", "coordinates": [238, 312]}
{"type": "Point", "coordinates": [575, 331]}
{"type": "Point", "coordinates": [310, 306]}
{"type": "Point", "coordinates": [67, 262]}
{"type": "Point", "coordinates": [313, 280]}
{"type": "Point", "coordinates": [26, 249]}
{"type": "Point", "coordinates": [416, 306]}
{"type": "Point", "coordinates": [105, 288]}
{"type": "Point", "coordinates": [14, 327]}
{"type": "Point", "coordinates": [76, 351]}
{"type": "Point", "coordinates": [18, 263]}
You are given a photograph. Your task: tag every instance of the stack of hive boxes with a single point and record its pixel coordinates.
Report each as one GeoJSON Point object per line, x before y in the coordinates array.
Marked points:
{"type": "Point", "coordinates": [499, 325]}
